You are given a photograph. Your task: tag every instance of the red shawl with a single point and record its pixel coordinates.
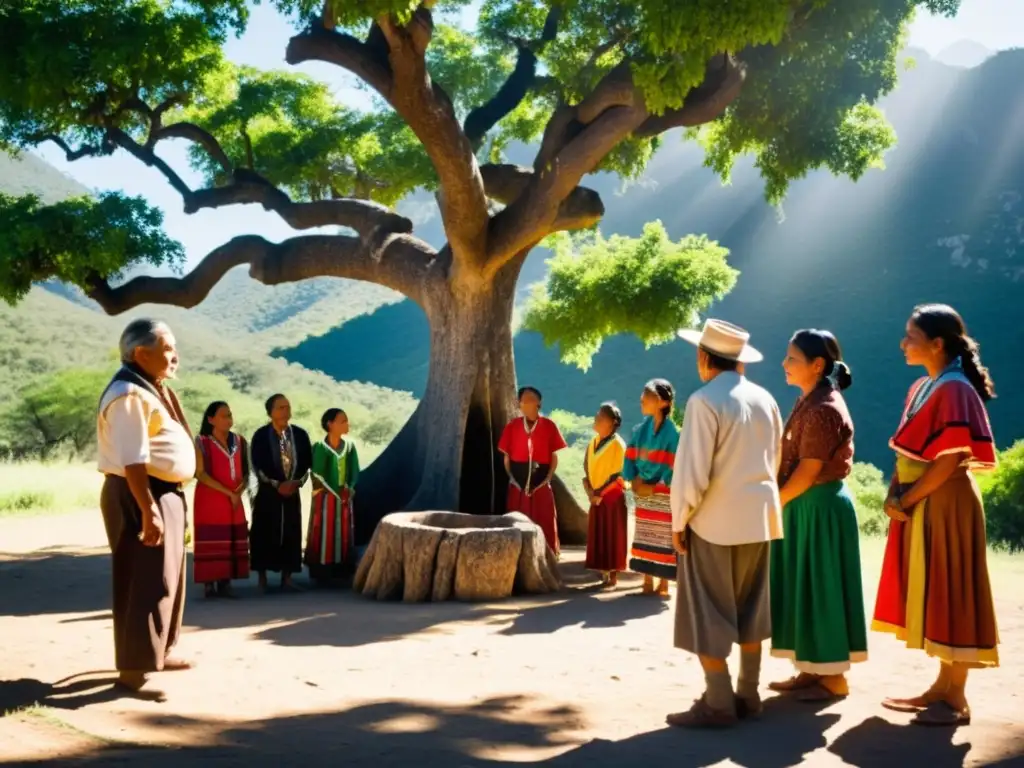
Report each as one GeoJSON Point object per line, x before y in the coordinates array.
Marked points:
{"type": "Point", "coordinates": [952, 419]}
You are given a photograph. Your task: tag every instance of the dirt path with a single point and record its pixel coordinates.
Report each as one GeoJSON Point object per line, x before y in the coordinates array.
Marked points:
{"type": "Point", "coordinates": [581, 679]}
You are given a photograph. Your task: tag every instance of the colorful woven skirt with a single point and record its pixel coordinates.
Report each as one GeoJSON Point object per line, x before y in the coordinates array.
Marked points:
{"type": "Point", "coordinates": [816, 594]}
{"type": "Point", "coordinates": [652, 552]}
{"type": "Point", "coordinates": [935, 593]}
{"type": "Point", "coordinates": [221, 541]}
{"type": "Point", "coordinates": [330, 540]}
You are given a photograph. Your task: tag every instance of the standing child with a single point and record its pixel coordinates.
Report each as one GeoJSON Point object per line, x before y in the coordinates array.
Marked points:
{"type": "Point", "coordinates": [530, 444]}
{"type": "Point", "coordinates": [602, 480]}
{"type": "Point", "coordinates": [650, 458]}
{"type": "Point", "coordinates": [330, 540]}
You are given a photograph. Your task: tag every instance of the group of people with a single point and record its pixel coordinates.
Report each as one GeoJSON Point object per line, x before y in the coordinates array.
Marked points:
{"type": "Point", "coordinates": [749, 515]}
{"type": "Point", "coordinates": [283, 459]}
{"type": "Point", "coordinates": [753, 520]}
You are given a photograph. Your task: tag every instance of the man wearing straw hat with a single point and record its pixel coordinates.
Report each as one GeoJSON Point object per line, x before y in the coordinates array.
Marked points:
{"type": "Point", "coordinates": [725, 512]}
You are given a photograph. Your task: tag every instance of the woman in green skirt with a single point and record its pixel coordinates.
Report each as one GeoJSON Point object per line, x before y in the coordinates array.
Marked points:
{"type": "Point", "coordinates": [816, 594]}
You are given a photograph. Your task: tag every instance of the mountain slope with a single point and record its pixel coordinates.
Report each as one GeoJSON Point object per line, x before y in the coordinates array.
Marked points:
{"type": "Point", "coordinates": [942, 223]}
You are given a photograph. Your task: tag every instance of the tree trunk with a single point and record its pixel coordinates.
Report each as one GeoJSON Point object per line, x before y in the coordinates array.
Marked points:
{"type": "Point", "coordinates": [445, 458]}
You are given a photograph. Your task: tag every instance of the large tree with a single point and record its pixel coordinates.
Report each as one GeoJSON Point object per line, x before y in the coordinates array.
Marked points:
{"type": "Point", "coordinates": [592, 84]}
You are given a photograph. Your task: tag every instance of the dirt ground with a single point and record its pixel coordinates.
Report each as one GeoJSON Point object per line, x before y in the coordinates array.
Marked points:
{"type": "Point", "coordinates": [578, 679]}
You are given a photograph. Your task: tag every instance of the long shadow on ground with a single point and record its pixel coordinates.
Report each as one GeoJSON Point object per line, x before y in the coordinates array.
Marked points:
{"type": "Point", "coordinates": [62, 582]}
{"type": "Point", "coordinates": [502, 731]}
{"type": "Point", "coordinates": [59, 581]}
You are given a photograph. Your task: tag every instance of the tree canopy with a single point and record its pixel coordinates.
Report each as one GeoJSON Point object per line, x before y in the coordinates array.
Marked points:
{"type": "Point", "coordinates": [594, 85]}
{"type": "Point", "coordinates": [647, 286]}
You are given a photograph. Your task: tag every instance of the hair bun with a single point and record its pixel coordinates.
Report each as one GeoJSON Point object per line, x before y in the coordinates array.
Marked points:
{"type": "Point", "coordinates": [842, 374]}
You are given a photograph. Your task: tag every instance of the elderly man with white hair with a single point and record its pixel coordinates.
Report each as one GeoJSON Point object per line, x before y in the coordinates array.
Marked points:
{"type": "Point", "coordinates": [146, 452]}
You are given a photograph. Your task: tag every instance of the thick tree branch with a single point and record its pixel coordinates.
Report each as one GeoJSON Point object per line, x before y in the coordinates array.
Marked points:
{"type": "Point", "coordinates": [402, 79]}
{"type": "Point", "coordinates": [196, 135]}
{"type": "Point", "coordinates": [404, 266]}
{"type": "Point", "coordinates": [522, 78]}
{"type": "Point", "coordinates": [583, 207]}
{"type": "Point", "coordinates": [364, 216]}
{"type": "Point", "coordinates": [371, 221]}
{"type": "Point", "coordinates": [578, 138]}
{"type": "Point", "coordinates": [361, 59]}
{"type": "Point", "coordinates": [703, 104]}
{"type": "Point", "coordinates": [428, 111]}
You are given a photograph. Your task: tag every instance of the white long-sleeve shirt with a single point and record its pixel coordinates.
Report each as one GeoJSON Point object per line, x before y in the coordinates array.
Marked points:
{"type": "Point", "coordinates": [724, 481]}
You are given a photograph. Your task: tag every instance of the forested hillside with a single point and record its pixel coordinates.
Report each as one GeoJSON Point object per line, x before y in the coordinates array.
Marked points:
{"type": "Point", "coordinates": [943, 222]}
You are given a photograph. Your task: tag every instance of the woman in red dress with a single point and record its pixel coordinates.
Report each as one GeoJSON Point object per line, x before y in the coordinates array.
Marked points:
{"type": "Point", "coordinates": [530, 444]}
{"type": "Point", "coordinates": [934, 593]}
{"type": "Point", "coordinates": [221, 537]}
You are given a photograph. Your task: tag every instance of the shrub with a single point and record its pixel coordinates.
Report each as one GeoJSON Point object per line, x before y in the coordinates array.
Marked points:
{"type": "Point", "coordinates": [1003, 491]}
{"type": "Point", "coordinates": [869, 489]}
{"type": "Point", "coordinates": [17, 502]}
{"type": "Point", "coordinates": [379, 430]}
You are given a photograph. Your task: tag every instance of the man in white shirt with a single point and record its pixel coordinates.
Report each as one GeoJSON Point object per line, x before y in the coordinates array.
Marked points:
{"type": "Point", "coordinates": [146, 453]}
{"type": "Point", "coordinates": [725, 512]}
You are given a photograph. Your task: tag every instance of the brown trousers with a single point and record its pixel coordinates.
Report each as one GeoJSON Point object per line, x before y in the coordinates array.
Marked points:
{"type": "Point", "coordinates": [149, 582]}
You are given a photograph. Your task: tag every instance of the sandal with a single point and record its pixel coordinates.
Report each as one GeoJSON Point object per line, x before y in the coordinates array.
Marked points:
{"type": "Point", "coordinates": [943, 714]}
{"type": "Point", "coordinates": [700, 715]}
{"type": "Point", "coordinates": [912, 705]}
{"type": "Point", "coordinates": [177, 665]}
{"type": "Point", "coordinates": [796, 683]}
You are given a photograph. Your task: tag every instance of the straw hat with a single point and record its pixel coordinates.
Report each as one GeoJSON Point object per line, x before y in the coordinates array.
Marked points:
{"type": "Point", "coordinates": [723, 339]}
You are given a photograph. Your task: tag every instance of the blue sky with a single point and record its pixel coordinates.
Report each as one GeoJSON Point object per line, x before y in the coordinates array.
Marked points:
{"type": "Point", "coordinates": [996, 24]}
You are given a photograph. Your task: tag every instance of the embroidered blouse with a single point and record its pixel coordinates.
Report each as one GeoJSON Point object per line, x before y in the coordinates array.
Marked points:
{"type": "Point", "coordinates": [336, 469]}
{"type": "Point", "coordinates": [944, 416]}
{"type": "Point", "coordinates": [819, 428]}
{"type": "Point", "coordinates": [603, 464]}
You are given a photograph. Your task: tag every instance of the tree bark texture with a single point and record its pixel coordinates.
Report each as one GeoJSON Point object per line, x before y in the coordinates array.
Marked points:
{"type": "Point", "coordinates": [435, 556]}
{"type": "Point", "coordinates": [446, 456]}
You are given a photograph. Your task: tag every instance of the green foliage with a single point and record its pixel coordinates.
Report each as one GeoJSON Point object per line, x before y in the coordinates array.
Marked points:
{"type": "Point", "coordinates": [379, 430]}
{"type": "Point", "coordinates": [69, 64]}
{"type": "Point", "coordinates": [807, 102]}
{"type": "Point", "coordinates": [678, 412]}
{"type": "Point", "coordinates": [869, 489]}
{"type": "Point", "coordinates": [1003, 491]}
{"type": "Point", "coordinates": [22, 502]}
{"type": "Point", "coordinates": [219, 362]}
{"type": "Point", "coordinates": [574, 428]}
{"type": "Point", "coordinates": [815, 70]}
{"type": "Point", "coordinates": [56, 414]}
{"type": "Point", "coordinates": [289, 128]}
{"type": "Point", "coordinates": [77, 238]}
{"type": "Point", "coordinates": [647, 286]}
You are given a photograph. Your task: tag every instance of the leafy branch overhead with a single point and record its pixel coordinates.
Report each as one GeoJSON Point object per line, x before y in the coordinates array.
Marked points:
{"type": "Point", "coordinates": [648, 286]}
{"type": "Point", "coordinates": [593, 85]}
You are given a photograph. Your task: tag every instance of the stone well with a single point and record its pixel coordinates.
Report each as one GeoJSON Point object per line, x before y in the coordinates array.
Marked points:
{"type": "Point", "coordinates": [421, 556]}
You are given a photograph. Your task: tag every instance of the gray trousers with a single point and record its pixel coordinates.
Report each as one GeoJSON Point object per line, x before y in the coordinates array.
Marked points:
{"type": "Point", "coordinates": [723, 597]}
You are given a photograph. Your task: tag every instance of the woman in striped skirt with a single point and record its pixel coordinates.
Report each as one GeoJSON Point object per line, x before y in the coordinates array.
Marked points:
{"type": "Point", "coordinates": [650, 456]}
{"type": "Point", "coordinates": [330, 540]}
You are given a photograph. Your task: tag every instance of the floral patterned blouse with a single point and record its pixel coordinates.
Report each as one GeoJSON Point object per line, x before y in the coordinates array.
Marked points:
{"type": "Point", "coordinates": [819, 428]}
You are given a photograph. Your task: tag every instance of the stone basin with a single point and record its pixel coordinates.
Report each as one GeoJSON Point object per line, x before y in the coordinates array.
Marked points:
{"type": "Point", "coordinates": [436, 556]}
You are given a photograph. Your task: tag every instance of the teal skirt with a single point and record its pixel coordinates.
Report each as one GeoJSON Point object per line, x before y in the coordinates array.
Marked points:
{"type": "Point", "coordinates": [816, 594]}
